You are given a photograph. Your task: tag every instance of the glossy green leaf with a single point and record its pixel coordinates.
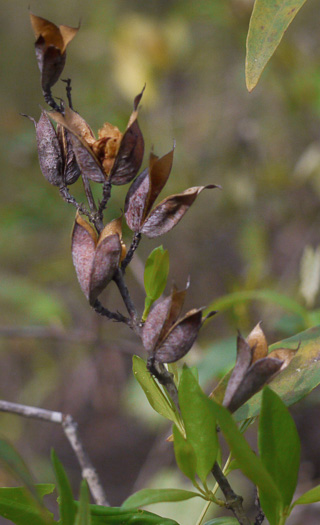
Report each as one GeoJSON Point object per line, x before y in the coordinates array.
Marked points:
{"type": "Point", "coordinates": [155, 276]}
{"type": "Point", "coordinates": [20, 507]}
{"type": "Point", "coordinates": [149, 496]}
{"type": "Point", "coordinates": [279, 444]}
{"type": "Point", "coordinates": [118, 516]}
{"type": "Point", "coordinates": [155, 395]}
{"type": "Point", "coordinates": [185, 455]}
{"type": "Point", "coordinates": [222, 521]}
{"type": "Point", "coordinates": [200, 424]}
{"type": "Point", "coordinates": [269, 21]}
{"type": "Point", "coordinates": [250, 464]}
{"type": "Point", "coordinates": [268, 296]}
{"type": "Point", "coordinates": [295, 382]}
{"type": "Point", "coordinates": [66, 503]}
{"type": "Point", "coordinates": [312, 496]}
{"type": "Point", "coordinates": [83, 515]}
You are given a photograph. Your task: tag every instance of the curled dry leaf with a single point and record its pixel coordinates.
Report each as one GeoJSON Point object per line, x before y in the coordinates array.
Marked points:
{"type": "Point", "coordinates": [254, 368]}
{"type": "Point", "coordinates": [112, 155]}
{"type": "Point", "coordinates": [96, 259]}
{"type": "Point", "coordinates": [51, 43]}
{"type": "Point", "coordinates": [166, 338]}
{"type": "Point", "coordinates": [144, 191]}
{"type": "Point", "coordinates": [56, 157]}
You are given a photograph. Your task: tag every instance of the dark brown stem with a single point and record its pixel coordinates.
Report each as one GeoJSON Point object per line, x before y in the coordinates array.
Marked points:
{"type": "Point", "coordinates": [106, 194]}
{"type": "Point", "coordinates": [135, 322]}
{"type": "Point", "coordinates": [67, 197]}
{"type": "Point", "coordinates": [165, 378]}
{"type": "Point", "coordinates": [97, 221]}
{"type": "Point", "coordinates": [134, 245]}
{"type": "Point", "coordinates": [50, 100]}
{"type": "Point", "coordinates": [68, 90]}
{"type": "Point", "coordinates": [260, 516]}
{"type": "Point", "coordinates": [113, 316]}
{"type": "Point", "coordinates": [70, 428]}
{"type": "Point", "coordinates": [233, 501]}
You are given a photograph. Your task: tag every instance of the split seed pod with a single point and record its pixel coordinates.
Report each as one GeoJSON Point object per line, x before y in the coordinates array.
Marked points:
{"type": "Point", "coordinates": [96, 258]}
{"type": "Point", "coordinates": [112, 156]}
{"type": "Point", "coordinates": [166, 338]}
{"type": "Point", "coordinates": [51, 43]}
{"type": "Point", "coordinates": [56, 157]}
{"type": "Point", "coordinates": [254, 368]}
{"type": "Point", "coordinates": [143, 193]}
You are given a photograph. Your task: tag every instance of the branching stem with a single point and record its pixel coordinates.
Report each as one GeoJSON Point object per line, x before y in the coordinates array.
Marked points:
{"type": "Point", "coordinates": [134, 245]}
{"type": "Point", "coordinates": [70, 428]}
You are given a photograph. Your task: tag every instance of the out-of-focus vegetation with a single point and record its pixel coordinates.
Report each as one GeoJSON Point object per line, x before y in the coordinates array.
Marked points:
{"type": "Point", "coordinates": [262, 148]}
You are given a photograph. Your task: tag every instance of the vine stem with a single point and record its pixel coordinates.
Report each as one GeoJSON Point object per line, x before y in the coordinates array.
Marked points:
{"type": "Point", "coordinates": [70, 428]}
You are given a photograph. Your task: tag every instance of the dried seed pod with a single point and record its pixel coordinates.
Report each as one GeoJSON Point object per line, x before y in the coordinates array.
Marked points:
{"type": "Point", "coordinates": [166, 338]}
{"type": "Point", "coordinates": [254, 368]}
{"type": "Point", "coordinates": [71, 170]}
{"type": "Point", "coordinates": [95, 259]}
{"type": "Point", "coordinates": [50, 45]}
{"type": "Point", "coordinates": [144, 191]}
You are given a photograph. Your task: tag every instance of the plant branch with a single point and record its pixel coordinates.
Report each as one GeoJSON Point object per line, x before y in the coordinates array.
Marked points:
{"type": "Point", "coordinates": [67, 197]}
{"type": "Point", "coordinates": [134, 245]}
{"type": "Point", "coordinates": [113, 316]}
{"type": "Point", "coordinates": [70, 428]}
{"type": "Point", "coordinates": [68, 90]}
{"type": "Point", "coordinates": [136, 324]}
{"type": "Point", "coordinates": [165, 378]}
{"type": "Point", "coordinates": [233, 501]}
{"type": "Point", "coordinates": [106, 194]}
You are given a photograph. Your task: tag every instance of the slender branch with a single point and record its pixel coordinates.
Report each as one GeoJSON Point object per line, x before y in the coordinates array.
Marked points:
{"type": "Point", "coordinates": [260, 516]}
{"type": "Point", "coordinates": [113, 316]}
{"type": "Point", "coordinates": [106, 194]}
{"type": "Point", "coordinates": [67, 197]}
{"type": "Point", "coordinates": [70, 428]}
{"type": "Point", "coordinates": [136, 324]}
{"type": "Point", "coordinates": [134, 245]}
{"type": "Point", "coordinates": [50, 100]}
{"type": "Point", "coordinates": [68, 90]}
{"type": "Point", "coordinates": [233, 501]}
{"type": "Point", "coordinates": [165, 378]}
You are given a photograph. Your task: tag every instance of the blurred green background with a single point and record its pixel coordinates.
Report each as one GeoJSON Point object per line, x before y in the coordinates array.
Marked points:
{"type": "Point", "coordinates": [262, 148]}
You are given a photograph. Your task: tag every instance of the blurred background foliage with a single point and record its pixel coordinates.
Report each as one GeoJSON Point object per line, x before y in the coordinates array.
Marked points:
{"type": "Point", "coordinates": [257, 233]}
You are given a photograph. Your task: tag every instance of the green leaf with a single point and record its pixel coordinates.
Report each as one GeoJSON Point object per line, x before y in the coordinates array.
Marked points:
{"type": "Point", "coordinates": [185, 455]}
{"type": "Point", "coordinates": [155, 395]}
{"type": "Point", "coordinates": [155, 276]}
{"type": "Point", "coordinates": [14, 463]}
{"type": "Point", "coordinates": [200, 424]}
{"type": "Point", "coordinates": [149, 496]}
{"type": "Point", "coordinates": [118, 516]}
{"type": "Point", "coordinates": [222, 521]}
{"type": "Point", "coordinates": [83, 515]}
{"type": "Point", "coordinates": [250, 464]}
{"type": "Point", "coordinates": [268, 23]}
{"type": "Point", "coordinates": [312, 496]}
{"type": "Point", "coordinates": [20, 507]}
{"type": "Point", "coordinates": [295, 382]}
{"type": "Point", "coordinates": [66, 503]}
{"type": "Point", "coordinates": [279, 444]}
{"type": "Point", "coordinates": [268, 296]}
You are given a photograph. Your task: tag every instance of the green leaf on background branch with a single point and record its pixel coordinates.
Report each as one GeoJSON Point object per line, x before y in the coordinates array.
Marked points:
{"type": "Point", "coordinates": [300, 377]}
{"type": "Point", "coordinates": [269, 21]}
{"type": "Point", "coordinates": [155, 277]}
{"type": "Point", "coordinates": [66, 503]}
{"type": "Point", "coordinates": [149, 496]}
{"type": "Point", "coordinates": [279, 445]}
{"type": "Point", "coordinates": [222, 521]}
{"type": "Point", "coordinates": [20, 507]}
{"type": "Point", "coordinates": [83, 515]}
{"type": "Point", "coordinates": [312, 496]}
{"type": "Point", "coordinates": [250, 464]}
{"type": "Point", "coordinates": [154, 393]}
{"type": "Point", "coordinates": [200, 423]}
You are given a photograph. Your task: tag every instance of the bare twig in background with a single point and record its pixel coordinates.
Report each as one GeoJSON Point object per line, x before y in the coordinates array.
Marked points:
{"type": "Point", "coordinates": [70, 428]}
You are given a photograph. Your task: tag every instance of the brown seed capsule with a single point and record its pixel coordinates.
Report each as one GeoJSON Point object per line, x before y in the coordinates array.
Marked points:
{"type": "Point", "coordinates": [50, 45]}
{"type": "Point", "coordinates": [254, 368]}
{"type": "Point", "coordinates": [96, 259]}
{"type": "Point", "coordinates": [144, 191]}
{"type": "Point", "coordinates": [166, 338]}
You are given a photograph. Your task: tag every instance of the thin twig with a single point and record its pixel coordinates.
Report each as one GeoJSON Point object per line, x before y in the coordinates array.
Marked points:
{"type": "Point", "coordinates": [135, 322]}
{"type": "Point", "coordinates": [67, 197]}
{"type": "Point", "coordinates": [165, 378]}
{"type": "Point", "coordinates": [70, 428]}
{"type": "Point", "coordinates": [50, 100]}
{"type": "Point", "coordinates": [68, 90]}
{"type": "Point", "coordinates": [233, 501]}
{"type": "Point", "coordinates": [113, 316]}
{"type": "Point", "coordinates": [134, 245]}
{"type": "Point", "coordinates": [106, 194]}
